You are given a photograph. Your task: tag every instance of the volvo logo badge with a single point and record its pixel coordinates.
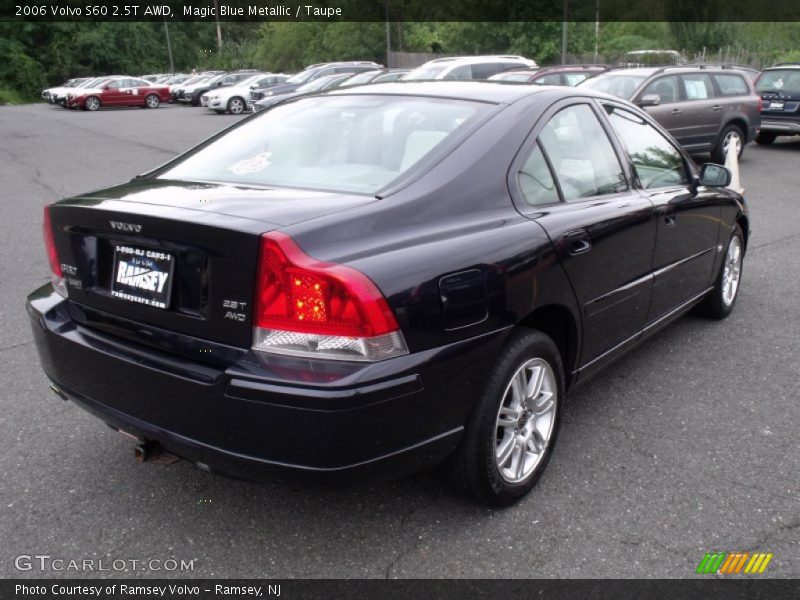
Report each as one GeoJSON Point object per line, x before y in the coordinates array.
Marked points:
{"type": "Point", "coordinates": [131, 227]}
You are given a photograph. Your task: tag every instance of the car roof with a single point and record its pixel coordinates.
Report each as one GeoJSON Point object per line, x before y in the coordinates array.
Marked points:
{"type": "Point", "coordinates": [478, 59]}
{"type": "Point", "coordinates": [480, 91]}
{"type": "Point", "coordinates": [782, 67]}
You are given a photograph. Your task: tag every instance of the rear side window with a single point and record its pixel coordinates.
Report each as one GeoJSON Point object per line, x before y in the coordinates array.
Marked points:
{"type": "Point", "coordinates": [582, 156]}
{"type": "Point", "coordinates": [697, 86]}
{"type": "Point", "coordinates": [731, 85]}
{"type": "Point", "coordinates": [536, 181]}
{"type": "Point", "coordinates": [657, 162]}
{"type": "Point", "coordinates": [665, 88]}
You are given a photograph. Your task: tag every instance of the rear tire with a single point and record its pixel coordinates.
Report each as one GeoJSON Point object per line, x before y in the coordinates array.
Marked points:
{"type": "Point", "coordinates": [510, 436]}
{"type": "Point", "coordinates": [152, 101]}
{"type": "Point", "coordinates": [719, 303]}
{"type": "Point", "coordinates": [765, 138]}
{"type": "Point", "coordinates": [729, 135]}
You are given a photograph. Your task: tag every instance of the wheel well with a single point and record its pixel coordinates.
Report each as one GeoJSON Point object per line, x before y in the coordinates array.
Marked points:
{"type": "Point", "coordinates": [744, 223]}
{"type": "Point", "coordinates": [741, 124]}
{"type": "Point", "coordinates": [557, 323]}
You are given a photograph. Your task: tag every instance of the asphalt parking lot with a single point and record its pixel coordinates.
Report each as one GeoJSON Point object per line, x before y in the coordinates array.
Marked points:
{"type": "Point", "coordinates": [687, 445]}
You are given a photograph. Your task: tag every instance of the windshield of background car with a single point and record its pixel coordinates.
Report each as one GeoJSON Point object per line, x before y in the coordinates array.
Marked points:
{"type": "Point", "coordinates": [423, 72]}
{"type": "Point", "coordinates": [621, 85]}
{"type": "Point", "coordinates": [303, 76]}
{"type": "Point", "coordinates": [355, 144]}
{"type": "Point", "coordinates": [364, 77]}
{"type": "Point", "coordinates": [317, 84]}
{"type": "Point", "coordinates": [786, 80]}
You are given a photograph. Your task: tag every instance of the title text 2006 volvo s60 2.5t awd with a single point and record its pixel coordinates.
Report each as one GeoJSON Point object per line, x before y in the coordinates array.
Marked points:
{"type": "Point", "coordinates": [360, 284]}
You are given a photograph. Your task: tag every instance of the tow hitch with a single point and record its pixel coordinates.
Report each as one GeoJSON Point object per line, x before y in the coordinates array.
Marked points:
{"type": "Point", "coordinates": [150, 451]}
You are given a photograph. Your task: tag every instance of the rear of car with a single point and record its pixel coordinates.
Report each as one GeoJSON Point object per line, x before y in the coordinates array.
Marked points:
{"type": "Point", "coordinates": [183, 311]}
{"type": "Point", "coordinates": [779, 89]}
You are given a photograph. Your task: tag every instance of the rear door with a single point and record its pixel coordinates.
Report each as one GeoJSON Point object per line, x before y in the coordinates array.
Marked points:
{"type": "Point", "coordinates": [703, 112]}
{"type": "Point", "coordinates": [571, 181]}
{"type": "Point", "coordinates": [688, 219]}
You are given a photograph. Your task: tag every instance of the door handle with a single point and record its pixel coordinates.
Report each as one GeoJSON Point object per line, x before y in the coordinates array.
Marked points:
{"type": "Point", "coordinates": [676, 111]}
{"type": "Point", "coordinates": [576, 242]}
{"type": "Point", "coordinates": [717, 108]}
{"type": "Point", "coordinates": [669, 221]}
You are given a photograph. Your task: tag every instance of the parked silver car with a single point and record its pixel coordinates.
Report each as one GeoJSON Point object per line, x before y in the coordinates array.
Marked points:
{"type": "Point", "coordinates": [705, 108]}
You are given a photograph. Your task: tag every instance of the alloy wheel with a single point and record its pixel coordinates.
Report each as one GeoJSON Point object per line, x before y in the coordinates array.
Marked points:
{"type": "Point", "coordinates": [525, 420]}
{"type": "Point", "coordinates": [732, 271]}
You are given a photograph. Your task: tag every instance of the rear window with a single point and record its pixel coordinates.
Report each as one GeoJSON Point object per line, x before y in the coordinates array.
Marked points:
{"type": "Point", "coordinates": [781, 80]}
{"type": "Point", "coordinates": [425, 72]}
{"type": "Point", "coordinates": [731, 85]}
{"type": "Point", "coordinates": [355, 144]}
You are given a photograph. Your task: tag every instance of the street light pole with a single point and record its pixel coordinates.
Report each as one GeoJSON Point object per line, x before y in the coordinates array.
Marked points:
{"type": "Point", "coordinates": [169, 47]}
{"type": "Point", "coordinates": [564, 34]}
{"type": "Point", "coordinates": [219, 30]}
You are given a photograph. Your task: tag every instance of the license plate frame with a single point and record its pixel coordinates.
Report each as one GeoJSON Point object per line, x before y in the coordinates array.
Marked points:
{"type": "Point", "coordinates": [142, 275]}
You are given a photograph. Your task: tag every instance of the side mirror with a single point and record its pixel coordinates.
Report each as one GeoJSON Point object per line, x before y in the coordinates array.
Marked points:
{"type": "Point", "coordinates": [649, 100]}
{"type": "Point", "coordinates": [106, 87]}
{"type": "Point", "coordinates": [712, 175]}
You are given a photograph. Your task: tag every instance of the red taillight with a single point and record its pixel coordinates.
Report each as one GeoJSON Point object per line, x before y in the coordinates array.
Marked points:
{"type": "Point", "coordinates": [760, 103]}
{"type": "Point", "coordinates": [313, 308]}
{"type": "Point", "coordinates": [50, 244]}
{"type": "Point", "coordinates": [298, 293]}
{"type": "Point", "coordinates": [57, 277]}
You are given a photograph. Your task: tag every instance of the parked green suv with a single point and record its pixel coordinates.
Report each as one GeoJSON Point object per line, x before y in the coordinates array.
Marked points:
{"type": "Point", "coordinates": [705, 108]}
{"type": "Point", "coordinates": [779, 88]}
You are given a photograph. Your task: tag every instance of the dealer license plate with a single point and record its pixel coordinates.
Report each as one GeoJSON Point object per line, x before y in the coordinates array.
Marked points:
{"type": "Point", "coordinates": [142, 275]}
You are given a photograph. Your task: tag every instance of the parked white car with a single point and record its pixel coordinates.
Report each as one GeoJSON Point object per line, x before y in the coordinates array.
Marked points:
{"type": "Point", "coordinates": [233, 99]}
{"type": "Point", "coordinates": [468, 67]}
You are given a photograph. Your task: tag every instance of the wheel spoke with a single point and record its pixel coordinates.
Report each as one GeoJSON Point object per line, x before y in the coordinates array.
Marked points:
{"type": "Point", "coordinates": [518, 386]}
{"type": "Point", "coordinates": [503, 452]}
{"type": "Point", "coordinates": [535, 385]}
{"type": "Point", "coordinates": [520, 464]}
{"type": "Point", "coordinates": [544, 404]}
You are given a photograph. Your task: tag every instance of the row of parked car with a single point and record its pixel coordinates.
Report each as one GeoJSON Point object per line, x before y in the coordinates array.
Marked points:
{"type": "Point", "coordinates": [705, 107]}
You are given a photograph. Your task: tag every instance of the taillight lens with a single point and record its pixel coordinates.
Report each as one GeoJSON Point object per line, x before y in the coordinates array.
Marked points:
{"type": "Point", "coordinates": [57, 277]}
{"type": "Point", "coordinates": [760, 103]}
{"type": "Point", "coordinates": [305, 307]}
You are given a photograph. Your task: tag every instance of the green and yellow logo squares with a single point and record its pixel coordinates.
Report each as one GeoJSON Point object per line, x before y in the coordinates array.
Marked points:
{"type": "Point", "coordinates": [733, 563]}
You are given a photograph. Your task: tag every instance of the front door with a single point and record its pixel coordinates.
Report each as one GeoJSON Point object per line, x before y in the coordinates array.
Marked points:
{"type": "Point", "coordinates": [688, 218]}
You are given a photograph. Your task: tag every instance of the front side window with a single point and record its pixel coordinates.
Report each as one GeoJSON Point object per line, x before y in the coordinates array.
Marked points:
{"type": "Point", "coordinates": [666, 88]}
{"type": "Point", "coordinates": [355, 144]}
{"type": "Point", "coordinates": [552, 79]}
{"type": "Point", "coordinates": [617, 84]}
{"type": "Point", "coordinates": [464, 72]}
{"type": "Point", "coordinates": [574, 79]}
{"type": "Point", "coordinates": [582, 156]}
{"type": "Point", "coordinates": [698, 86]}
{"type": "Point", "coordinates": [657, 162]}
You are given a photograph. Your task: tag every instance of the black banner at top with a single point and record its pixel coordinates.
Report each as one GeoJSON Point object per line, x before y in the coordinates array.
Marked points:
{"type": "Point", "coordinates": [399, 10]}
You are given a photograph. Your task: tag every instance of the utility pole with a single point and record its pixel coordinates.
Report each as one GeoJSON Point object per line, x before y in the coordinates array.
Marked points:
{"type": "Point", "coordinates": [596, 30]}
{"type": "Point", "coordinates": [169, 47]}
{"type": "Point", "coordinates": [564, 34]}
{"type": "Point", "coordinates": [219, 30]}
{"type": "Point", "coordinates": [388, 34]}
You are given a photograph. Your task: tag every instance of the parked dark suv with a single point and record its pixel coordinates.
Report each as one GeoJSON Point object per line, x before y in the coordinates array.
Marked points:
{"type": "Point", "coordinates": [704, 107]}
{"type": "Point", "coordinates": [779, 87]}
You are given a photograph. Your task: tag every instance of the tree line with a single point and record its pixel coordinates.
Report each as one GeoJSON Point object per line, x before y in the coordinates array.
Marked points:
{"type": "Point", "coordinates": [38, 55]}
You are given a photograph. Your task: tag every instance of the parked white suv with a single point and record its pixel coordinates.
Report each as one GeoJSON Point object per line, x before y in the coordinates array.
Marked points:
{"type": "Point", "coordinates": [468, 67]}
{"type": "Point", "coordinates": [234, 99]}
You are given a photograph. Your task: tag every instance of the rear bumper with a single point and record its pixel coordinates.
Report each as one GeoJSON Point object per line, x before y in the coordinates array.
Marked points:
{"type": "Point", "coordinates": [268, 420]}
{"type": "Point", "coordinates": [781, 127]}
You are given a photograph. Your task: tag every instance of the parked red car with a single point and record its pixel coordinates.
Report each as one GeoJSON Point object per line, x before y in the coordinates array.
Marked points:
{"type": "Point", "coordinates": [119, 91]}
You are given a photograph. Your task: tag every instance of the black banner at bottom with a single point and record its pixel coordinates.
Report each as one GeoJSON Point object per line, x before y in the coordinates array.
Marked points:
{"type": "Point", "coordinates": [326, 589]}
